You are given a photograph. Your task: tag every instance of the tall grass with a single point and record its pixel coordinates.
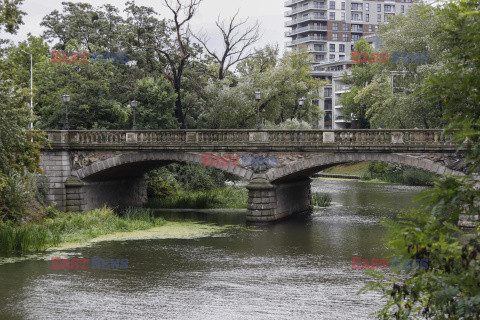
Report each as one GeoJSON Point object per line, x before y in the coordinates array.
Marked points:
{"type": "Point", "coordinates": [226, 198]}
{"type": "Point", "coordinates": [73, 227]}
{"type": "Point", "coordinates": [321, 200]}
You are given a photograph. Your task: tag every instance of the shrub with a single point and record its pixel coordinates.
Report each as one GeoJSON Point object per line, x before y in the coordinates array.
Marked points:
{"type": "Point", "coordinates": [321, 200]}
{"type": "Point", "coordinates": [157, 187]}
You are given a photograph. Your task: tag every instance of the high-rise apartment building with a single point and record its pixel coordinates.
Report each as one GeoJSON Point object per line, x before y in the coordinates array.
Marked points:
{"type": "Point", "coordinates": [327, 30]}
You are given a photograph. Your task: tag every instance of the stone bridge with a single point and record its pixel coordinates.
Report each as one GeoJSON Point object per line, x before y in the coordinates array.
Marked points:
{"type": "Point", "coordinates": [88, 169]}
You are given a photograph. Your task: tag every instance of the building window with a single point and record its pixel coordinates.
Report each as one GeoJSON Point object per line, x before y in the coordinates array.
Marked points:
{"type": "Point", "coordinates": [356, 6]}
{"type": "Point", "coordinates": [334, 36]}
{"type": "Point", "coordinates": [331, 57]}
{"type": "Point", "coordinates": [376, 27]}
{"type": "Point", "coordinates": [345, 27]}
{"type": "Point", "coordinates": [367, 17]}
{"type": "Point", "coordinates": [332, 5]}
{"type": "Point", "coordinates": [355, 37]}
{"type": "Point", "coordinates": [345, 37]}
{"type": "Point", "coordinates": [402, 8]}
{"type": "Point", "coordinates": [319, 57]}
{"type": "Point", "coordinates": [379, 7]}
{"type": "Point", "coordinates": [343, 5]}
{"type": "Point", "coordinates": [370, 29]}
{"type": "Point", "coordinates": [332, 15]}
{"type": "Point", "coordinates": [367, 6]}
{"type": "Point", "coordinates": [318, 47]}
{"type": "Point", "coordinates": [389, 8]}
{"type": "Point", "coordinates": [332, 47]}
{"type": "Point", "coordinates": [379, 18]}
{"type": "Point", "coordinates": [341, 57]}
{"type": "Point", "coordinates": [356, 17]}
{"type": "Point", "coordinates": [357, 27]}
{"type": "Point", "coordinates": [341, 48]}
{"type": "Point", "coordinates": [335, 26]}
{"type": "Point", "coordinates": [343, 16]}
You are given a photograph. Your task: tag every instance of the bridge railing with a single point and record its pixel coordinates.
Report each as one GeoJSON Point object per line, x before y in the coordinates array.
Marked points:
{"type": "Point", "coordinates": [378, 137]}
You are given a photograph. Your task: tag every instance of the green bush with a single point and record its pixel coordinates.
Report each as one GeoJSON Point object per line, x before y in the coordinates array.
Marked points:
{"type": "Point", "coordinates": [17, 194]}
{"type": "Point", "coordinates": [157, 187]}
{"type": "Point", "coordinates": [399, 174]}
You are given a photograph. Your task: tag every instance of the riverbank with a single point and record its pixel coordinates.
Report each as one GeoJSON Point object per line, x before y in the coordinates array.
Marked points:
{"type": "Point", "coordinates": [379, 172]}
{"type": "Point", "coordinates": [60, 227]}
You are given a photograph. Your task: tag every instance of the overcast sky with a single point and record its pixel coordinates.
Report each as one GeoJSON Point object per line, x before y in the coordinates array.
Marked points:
{"type": "Point", "coordinates": [270, 13]}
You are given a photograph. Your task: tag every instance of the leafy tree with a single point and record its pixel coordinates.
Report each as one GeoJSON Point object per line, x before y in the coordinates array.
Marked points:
{"type": "Point", "coordinates": [361, 75]}
{"type": "Point", "coordinates": [230, 105]}
{"type": "Point", "coordinates": [11, 15]}
{"type": "Point", "coordinates": [387, 94]}
{"type": "Point", "coordinates": [156, 105]}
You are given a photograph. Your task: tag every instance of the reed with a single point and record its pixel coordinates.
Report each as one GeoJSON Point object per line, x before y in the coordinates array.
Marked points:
{"type": "Point", "coordinates": [73, 227]}
{"type": "Point", "coordinates": [225, 198]}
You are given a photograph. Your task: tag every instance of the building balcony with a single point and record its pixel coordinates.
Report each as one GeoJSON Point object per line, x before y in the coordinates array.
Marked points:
{"type": "Point", "coordinates": [305, 39]}
{"type": "Point", "coordinates": [290, 3]}
{"type": "Point", "coordinates": [305, 8]}
{"type": "Point", "coordinates": [310, 17]}
{"type": "Point", "coordinates": [305, 29]}
{"type": "Point", "coordinates": [340, 119]}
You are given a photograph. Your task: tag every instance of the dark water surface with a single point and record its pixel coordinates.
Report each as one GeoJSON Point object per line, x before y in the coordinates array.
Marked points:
{"type": "Point", "coordinates": [297, 269]}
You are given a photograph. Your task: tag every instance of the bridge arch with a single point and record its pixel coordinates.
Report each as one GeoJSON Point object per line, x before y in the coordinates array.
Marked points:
{"type": "Point", "coordinates": [306, 167]}
{"type": "Point", "coordinates": [136, 164]}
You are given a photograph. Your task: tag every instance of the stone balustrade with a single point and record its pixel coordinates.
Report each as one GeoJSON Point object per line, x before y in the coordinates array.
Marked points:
{"type": "Point", "coordinates": [294, 139]}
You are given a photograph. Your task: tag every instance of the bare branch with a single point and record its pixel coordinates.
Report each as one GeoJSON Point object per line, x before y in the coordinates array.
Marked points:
{"type": "Point", "coordinates": [238, 39]}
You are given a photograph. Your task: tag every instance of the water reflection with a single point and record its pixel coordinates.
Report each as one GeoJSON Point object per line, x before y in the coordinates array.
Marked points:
{"type": "Point", "coordinates": [298, 268]}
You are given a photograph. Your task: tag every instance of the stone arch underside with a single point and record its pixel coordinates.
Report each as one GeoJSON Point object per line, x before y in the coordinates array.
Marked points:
{"type": "Point", "coordinates": [308, 166]}
{"type": "Point", "coordinates": [137, 164]}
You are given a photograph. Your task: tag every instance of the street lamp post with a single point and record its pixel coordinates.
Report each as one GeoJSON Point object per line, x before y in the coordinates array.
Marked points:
{"type": "Point", "coordinates": [258, 97]}
{"type": "Point", "coordinates": [66, 100]}
{"type": "Point", "coordinates": [134, 105]}
{"type": "Point", "coordinates": [301, 102]}
{"type": "Point", "coordinates": [31, 87]}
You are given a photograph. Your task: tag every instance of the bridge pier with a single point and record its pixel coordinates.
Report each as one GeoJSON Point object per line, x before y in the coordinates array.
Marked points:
{"type": "Point", "coordinates": [270, 202]}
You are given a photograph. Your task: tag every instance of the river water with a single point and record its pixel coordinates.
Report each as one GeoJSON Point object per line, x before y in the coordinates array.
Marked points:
{"type": "Point", "coordinates": [299, 268]}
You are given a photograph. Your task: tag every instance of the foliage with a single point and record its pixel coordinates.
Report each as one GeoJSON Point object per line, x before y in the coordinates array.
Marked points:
{"type": "Point", "coordinates": [282, 82]}
{"type": "Point", "coordinates": [450, 287]}
{"type": "Point", "coordinates": [321, 200]}
{"type": "Point", "coordinates": [72, 227]}
{"type": "Point", "coordinates": [395, 173]}
{"type": "Point", "coordinates": [157, 187]}
{"type": "Point", "coordinates": [386, 95]}
{"type": "Point", "coordinates": [288, 124]}
{"type": "Point", "coordinates": [10, 15]}
{"type": "Point", "coordinates": [193, 176]}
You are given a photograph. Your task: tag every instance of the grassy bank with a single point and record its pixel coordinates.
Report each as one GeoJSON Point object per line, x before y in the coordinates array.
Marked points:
{"type": "Point", "coordinates": [73, 227]}
{"type": "Point", "coordinates": [349, 169]}
{"type": "Point", "coordinates": [383, 172]}
{"type": "Point", "coordinates": [230, 197]}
